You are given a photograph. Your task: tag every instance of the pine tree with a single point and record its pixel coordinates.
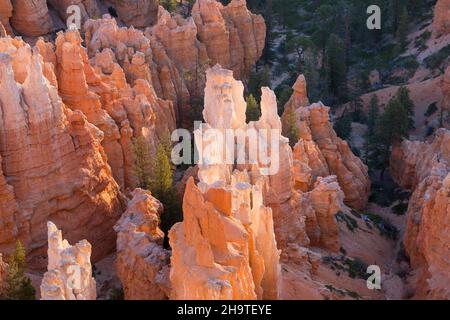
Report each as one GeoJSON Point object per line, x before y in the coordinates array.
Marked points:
{"type": "Point", "coordinates": [162, 175]}
{"type": "Point", "coordinates": [169, 5]}
{"type": "Point", "coordinates": [252, 113]}
{"type": "Point", "coordinates": [161, 186]}
{"type": "Point", "coordinates": [402, 30]}
{"type": "Point", "coordinates": [142, 162]}
{"type": "Point", "coordinates": [292, 131]}
{"type": "Point", "coordinates": [372, 118]}
{"type": "Point", "coordinates": [336, 67]}
{"type": "Point", "coordinates": [18, 286]}
{"type": "Point", "coordinates": [391, 127]}
{"type": "Point", "coordinates": [403, 98]}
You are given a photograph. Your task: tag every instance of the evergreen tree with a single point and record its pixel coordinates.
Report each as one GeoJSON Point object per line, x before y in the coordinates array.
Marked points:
{"type": "Point", "coordinates": [18, 286]}
{"type": "Point", "coordinates": [336, 67]}
{"type": "Point", "coordinates": [253, 112]}
{"type": "Point", "coordinates": [392, 126]}
{"type": "Point", "coordinates": [369, 136]}
{"type": "Point", "coordinates": [162, 175]}
{"type": "Point", "coordinates": [169, 5]}
{"type": "Point", "coordinates": [142, 162]}
{"type": "Point", "coordinates": [292, 131]}
{"type": "Point", "coordinates": [257, 80]}
{"type": "Point", "coordinates": [402, 30]}
{"type": "Point", "coordinates": [343, 126]}
{"type": "Point", "coordinates": [161, 186]}
{"type": "Point", "coordinates": [403, 98]}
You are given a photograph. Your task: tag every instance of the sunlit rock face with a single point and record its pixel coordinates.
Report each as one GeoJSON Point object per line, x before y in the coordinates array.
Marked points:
{"type": "Point", "coordinates": [225, 248]}
{"type": "Point", "coordinates": [424, 168]}
{"type": "Point", "coordinates": [173, 53]}
{"type": "Point", "coordinates": [441, 19]}
{"type": "Point", "coordinates": [69, 275]}
{"type": "Point", "coordinates": [142, 263]}
{"type": "Point", "coordinates": [31, 18]}
{"type": "Point", "coordinates": [233, 36]}
{"type": "Point", "coordinates": [53, 164]}
{"type": "Point", "coordinates": [319, 152]}
{"type": "Point", "coordinates": [123, 112]}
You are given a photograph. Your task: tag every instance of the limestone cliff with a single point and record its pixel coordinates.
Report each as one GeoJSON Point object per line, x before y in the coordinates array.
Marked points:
{"type": "Point", "coordinates": [69, 275]}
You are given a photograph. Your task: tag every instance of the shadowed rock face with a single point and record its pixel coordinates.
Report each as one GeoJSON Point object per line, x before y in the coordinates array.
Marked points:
{"type": "Point", "coordinates": [31, 18]}
{"type": "Point", "coordinates": [424, 168]}
{"type": "Point", "coordinates": [53, 165]}
{"type": "Point", "coordinates": [137, 13]}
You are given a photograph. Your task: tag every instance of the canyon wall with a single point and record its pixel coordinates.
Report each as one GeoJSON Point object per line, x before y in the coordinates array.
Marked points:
{"type": "Point", "coordinates": [424, 168]}
{"type": "Point", "coordinates": [53, 164]}
{"type": "Point", "coordinates": [69, 275]}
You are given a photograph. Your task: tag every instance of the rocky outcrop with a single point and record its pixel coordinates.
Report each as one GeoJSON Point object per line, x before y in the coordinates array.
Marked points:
{"type": "Point", "coordinates": [441, 19]}
{"type": "Point", "coordinates": [173, 53]}
{"type": "Point", "coordinates": [6, 10]}
{"type": "Point", "coordinates": [121, 111]}
{"type": "Point", "coordinates": [299, 98]}
{"type": "Point", "coordinates": [227, 234]}
{"type": "Point", "coordinates": [424, 168]}
{"type": "Point", "coordinates": [52, 161]}
{"type": "Point", "coordinates": [320, 152]}
{"type": "Point", "coordinates": [142, 263]}
{"type": "Point", "coordinates": [31, 18]}
{"type": "Point", "coordinates": [233, 36]}
{"type": "Point", "coordinates": [138, 56]}
{"type": "Point", "coordinates": [69, 275]}
{"type": "Point", "coordinates": [327, 200]}
{"type": "Point", "coordinates": [137, 13]}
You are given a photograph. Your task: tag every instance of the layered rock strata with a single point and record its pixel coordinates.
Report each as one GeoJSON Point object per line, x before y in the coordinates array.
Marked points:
{"type": "Point", "coordinates": [53, 164]}
{"type": "Point", "coordinates": [69, 275]}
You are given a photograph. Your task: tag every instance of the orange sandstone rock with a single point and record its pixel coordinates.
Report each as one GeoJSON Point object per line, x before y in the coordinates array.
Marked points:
{"type": "Point", "coordinates": [54, 164]}
{"type": "Point", "coordinates": [428, 217]}
{"type": "Point", "coordinates": [142, 263]}
{"type": "Point", "coordinates": [441, 19]}
{"type": "Point", "coordinates": [31, 18]}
